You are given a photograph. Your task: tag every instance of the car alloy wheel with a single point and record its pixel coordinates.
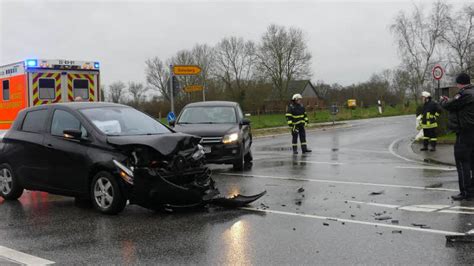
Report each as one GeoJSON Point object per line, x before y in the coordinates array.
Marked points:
{"type": "Point", "coordinates": [103, 193]}
{"type": "Point", "coordinates": [6, 180]}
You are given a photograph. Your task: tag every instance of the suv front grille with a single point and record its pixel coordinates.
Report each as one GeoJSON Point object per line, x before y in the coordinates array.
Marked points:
{"type": "Point", "coordinates": [211, 140]}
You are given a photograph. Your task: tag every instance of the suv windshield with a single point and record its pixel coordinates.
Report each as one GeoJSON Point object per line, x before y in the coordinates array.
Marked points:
{"type": "Point", "coordinates": [208, 115]}
{"type": "Point", "coordinates": [123, 121]}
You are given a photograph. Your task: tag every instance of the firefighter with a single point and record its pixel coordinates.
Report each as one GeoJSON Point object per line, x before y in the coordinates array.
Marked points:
{"type": "Point", "coordinates": [297, 120]}
{"type": "Point", "coordinates": [428, 122]}
{"type": "Point", "coordinates": [461, 121]}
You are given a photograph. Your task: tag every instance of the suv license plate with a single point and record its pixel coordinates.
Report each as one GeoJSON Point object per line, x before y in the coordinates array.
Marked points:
{"type": "Point", "coordinates": [207, 149]}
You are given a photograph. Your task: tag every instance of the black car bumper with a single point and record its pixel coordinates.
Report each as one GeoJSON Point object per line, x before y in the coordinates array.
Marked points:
{"type": "Point", "coordinates": [223, 153]}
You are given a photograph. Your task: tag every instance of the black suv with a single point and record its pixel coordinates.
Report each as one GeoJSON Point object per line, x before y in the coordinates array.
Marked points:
{"type": "Point", "coordinates": [225, 132]}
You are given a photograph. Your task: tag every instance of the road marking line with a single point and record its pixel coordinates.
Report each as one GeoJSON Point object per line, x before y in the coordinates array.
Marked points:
{"type": "Point", "coordinates": [316, 162]}
{"type": "Point", "coordinates": [421, 207]}
{"type": "Point", "coordinates": [427, 168]}
{"type": "Point", "coordinates": [434, 231]}
{"type": "Point", "coordinates": [22, 258]}
{"type": "Point", "coordinates": [390, 149]}
{"type": "Point", "coordinates": [339, 182]}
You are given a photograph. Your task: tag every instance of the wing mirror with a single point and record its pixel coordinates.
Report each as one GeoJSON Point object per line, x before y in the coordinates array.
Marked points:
{"type": "Point", "coordinates": [72, 134]}
{"type": "Point", "coordinates": [245, 122]}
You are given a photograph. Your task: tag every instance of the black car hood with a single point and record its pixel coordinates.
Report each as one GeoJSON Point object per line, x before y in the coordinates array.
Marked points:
{"type": "Point", "coordinates": [207, 130]}
{"type": "Point", "coordinates": [165, 144]}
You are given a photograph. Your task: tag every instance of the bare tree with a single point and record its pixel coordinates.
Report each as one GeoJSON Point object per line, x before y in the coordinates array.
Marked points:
{"type": "Point", "coordinates": [417, 36]}
{"type": "Point", "coordinates": [459, 37]}
{"type": "Point", "coordinates": [235, 62]}
{"type": "Point", "coordinates": [137, 90]}
{"type": "Point", "coordinates": [157, 76]}
{"type": "Point", "coordinates": [116, 91]}
{"type": "Point", "coordinates": [203, 56]}
{"type": "Point", "coordinates": [283, 56]}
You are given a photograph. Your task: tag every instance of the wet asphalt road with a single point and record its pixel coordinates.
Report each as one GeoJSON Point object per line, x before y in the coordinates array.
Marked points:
{"type": "Point", "coordinates": [334, 220]}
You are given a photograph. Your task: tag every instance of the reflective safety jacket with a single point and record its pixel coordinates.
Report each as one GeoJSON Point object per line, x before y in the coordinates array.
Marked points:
{"type": "Point", "coordinates": [430, 114]}
{"type": "Point", "coordinates": [296, 115]}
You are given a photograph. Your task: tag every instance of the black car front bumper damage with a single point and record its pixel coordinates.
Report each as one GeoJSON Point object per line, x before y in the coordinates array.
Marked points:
{"type": "Point", "coordinates": [157, 189]}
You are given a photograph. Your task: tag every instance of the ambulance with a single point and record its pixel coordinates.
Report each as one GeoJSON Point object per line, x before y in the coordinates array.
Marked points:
{"type": "Point", "coordinates": [36, 81]}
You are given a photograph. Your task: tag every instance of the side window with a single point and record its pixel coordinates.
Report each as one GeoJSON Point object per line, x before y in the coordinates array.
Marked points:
{"type": "Point", "coordinates": [239, 112]}
{"type": "Point", "coordinates": [34, 121]}
{"type": "Point", "coordinates": [6, 90]}
{"type": "Point", "coordinates": [46, 88]}
{"type": "Point", "coordinates": [81, 88]}
{"type": "Point", "coordinates": [63, 120]}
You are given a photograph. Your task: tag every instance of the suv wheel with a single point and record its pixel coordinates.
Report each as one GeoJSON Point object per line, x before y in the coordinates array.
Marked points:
{"type": "Point", "coordinates": [10, 189]}
{"type": "Point", "coordinates": [106, 195]}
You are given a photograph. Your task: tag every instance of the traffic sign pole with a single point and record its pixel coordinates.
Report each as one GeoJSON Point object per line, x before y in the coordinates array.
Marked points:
{"type": "Point", "coordinates": [171, 89]}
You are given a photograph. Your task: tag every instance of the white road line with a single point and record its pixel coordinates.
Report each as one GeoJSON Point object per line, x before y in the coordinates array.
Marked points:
{"type": "Point", "coordinates": [339, 182]}
{"type": "Point", "coordinates": [427, 168]}
{"type": "Point", "coordinates": [421, 207]}
{"type": "Point", "coordinates": [390, 149]}
{"type": "Point", "coordinates": [22, 258]}
{"type": "Point", "coordinates": [434, 231]}
{"type": "Point", "coordinates": [316, 162]}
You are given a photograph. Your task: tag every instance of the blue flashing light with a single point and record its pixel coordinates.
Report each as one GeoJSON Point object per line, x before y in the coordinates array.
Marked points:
{"type": "Point", "coordinates": [96, 65]}
{"type": "Point", "coordinates": [31, 63]}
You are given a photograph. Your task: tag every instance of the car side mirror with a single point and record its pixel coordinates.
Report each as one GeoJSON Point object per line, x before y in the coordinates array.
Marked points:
{"type": "Point", "coordinates": [172, 123]}
{"type": "Point", "coordinates": [245, 122]}
{"type": "Point", "coordinates": [72, 134]}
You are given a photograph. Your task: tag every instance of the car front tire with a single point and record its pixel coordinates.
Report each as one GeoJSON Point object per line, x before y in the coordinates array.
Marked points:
{"type": "Point", "coordinates": [10, 188]}
{"type": "Point", "coordinates": [106, 195]}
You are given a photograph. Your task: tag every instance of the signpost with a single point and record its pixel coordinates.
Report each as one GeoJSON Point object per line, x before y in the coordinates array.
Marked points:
{"type": "Point", "coordinates": [193, 88]}
{"type": "Point", "coordinates": [182, 70]}
{"type": "Point", "coordinates": [334, 111]}
{"type": "Point", "coordinates": [438, 72]}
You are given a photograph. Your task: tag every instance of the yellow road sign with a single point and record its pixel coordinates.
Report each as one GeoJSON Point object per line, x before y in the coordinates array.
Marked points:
{"type": "Point", "coordinates": [186, 70]}
{"type": "Point", "coordinates": [193, 88]}
{"type": "Point", "coordinates": [351, 103]}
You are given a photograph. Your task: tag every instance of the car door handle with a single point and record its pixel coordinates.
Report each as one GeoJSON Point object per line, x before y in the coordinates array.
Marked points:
{"type": "Point", "coordinates": [49, 145]}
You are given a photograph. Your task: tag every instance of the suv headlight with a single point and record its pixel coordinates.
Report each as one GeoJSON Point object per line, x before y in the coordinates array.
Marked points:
{"type": "Point", "coordinates": [230, 138]}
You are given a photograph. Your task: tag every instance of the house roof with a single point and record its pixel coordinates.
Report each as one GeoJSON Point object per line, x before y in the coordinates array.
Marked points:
{"type": "Point", "coordinates": [295, 86]}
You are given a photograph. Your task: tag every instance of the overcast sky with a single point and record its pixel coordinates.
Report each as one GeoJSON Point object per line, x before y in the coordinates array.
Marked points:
{"type": "Point", "coordinates": [349, 40]}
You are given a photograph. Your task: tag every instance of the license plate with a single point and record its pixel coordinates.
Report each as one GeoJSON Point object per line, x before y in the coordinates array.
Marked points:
{"type": "Point", "coordinates": [207, 149]}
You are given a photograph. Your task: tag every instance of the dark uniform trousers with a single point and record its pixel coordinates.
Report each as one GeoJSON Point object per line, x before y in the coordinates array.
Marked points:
{"type": "Point", "coordinates": [464, 156]}
{"type": "Point", "coordinates": [299, 131]}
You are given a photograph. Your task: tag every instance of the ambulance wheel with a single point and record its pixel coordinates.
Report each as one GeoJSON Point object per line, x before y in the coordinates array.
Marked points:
{"type": "Point", "coordinates": [10, 189]}
{"type": "Point", "coordinates": [106, 195]}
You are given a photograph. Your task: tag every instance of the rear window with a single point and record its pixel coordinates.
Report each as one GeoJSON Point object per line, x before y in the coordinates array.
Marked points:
{"type": "Point", "coordinates": [46, 88]}
{"type": "Point", "coordinates": [6, 90]}
{"type": "Point", "coordinates": [81, 88]}
{"type": "Point", "coordinates": [34, 121]}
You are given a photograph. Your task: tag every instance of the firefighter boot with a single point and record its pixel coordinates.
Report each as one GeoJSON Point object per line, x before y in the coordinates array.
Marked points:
{"type": "Point", "coordinates": [433, 145]}
{"type": "Point", "coordinates": [305, 149]}
{"type": "Point", "coordinates": [295, 149]}
{"type": "Point", "coordinates": [425, 145]}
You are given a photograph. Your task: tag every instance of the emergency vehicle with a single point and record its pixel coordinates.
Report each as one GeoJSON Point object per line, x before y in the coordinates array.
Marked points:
{"type": "Point", "coordinates": [36, 81]}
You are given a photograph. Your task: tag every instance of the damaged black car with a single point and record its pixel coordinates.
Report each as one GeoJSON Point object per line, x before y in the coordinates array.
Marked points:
{"type": "Point", "coordinates": [106, 154]}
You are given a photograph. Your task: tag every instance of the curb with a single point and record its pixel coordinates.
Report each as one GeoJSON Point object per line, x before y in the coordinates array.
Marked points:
{"type": "Point", "coordinates": [430, 160]}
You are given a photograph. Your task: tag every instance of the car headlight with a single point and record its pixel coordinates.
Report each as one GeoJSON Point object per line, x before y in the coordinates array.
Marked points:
{"type": "Point", "coordinates": [199, 153]}
{"type": "Point", "coordinates": [230, 138]}
{"type": "Point", "coordinates": [125, 173]}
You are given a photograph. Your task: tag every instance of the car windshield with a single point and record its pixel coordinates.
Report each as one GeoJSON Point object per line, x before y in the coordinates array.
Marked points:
{"type": "Point", "coordinates": [208, 115]}
{"type": "Point", "coordinates": [123, 121]}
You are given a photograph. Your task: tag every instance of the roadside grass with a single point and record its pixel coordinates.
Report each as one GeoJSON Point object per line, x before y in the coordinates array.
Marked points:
{"type": "Point", "coordinates": [278, 120]}
{"type": "Point", "coordinates": [449, 138]}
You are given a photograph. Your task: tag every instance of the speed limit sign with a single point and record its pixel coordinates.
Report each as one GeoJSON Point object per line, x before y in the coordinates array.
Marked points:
{"type": "Point", "coordinates": [438, 72]}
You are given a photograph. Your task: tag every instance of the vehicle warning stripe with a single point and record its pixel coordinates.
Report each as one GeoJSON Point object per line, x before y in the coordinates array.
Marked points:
{"type": "Point", "coordinates": [57, 88]}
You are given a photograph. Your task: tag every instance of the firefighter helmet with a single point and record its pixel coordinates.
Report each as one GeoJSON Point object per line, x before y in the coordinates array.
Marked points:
{"type": "Point", "coordinates": [297, 97]}
{"type": "Point", "coordinates": [426, 94]}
